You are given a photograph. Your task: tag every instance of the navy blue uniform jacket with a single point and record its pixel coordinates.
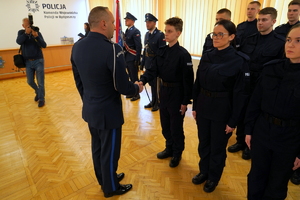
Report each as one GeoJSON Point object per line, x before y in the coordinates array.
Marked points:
{"type": "Point", "coordinates": [283, 29]}
{"type": "Point", "coordinates": [152, 43]}
{"type": "Point", "coordinates": [277, 94]}
{"type": "Point", "coordinates": [173, 65]}
{"type": "Point", "coordinates": [99, 82]}
{"type": "Point", "coordinates": [225, 75]}
{"type": "Point", "coordinates": [133, 40]}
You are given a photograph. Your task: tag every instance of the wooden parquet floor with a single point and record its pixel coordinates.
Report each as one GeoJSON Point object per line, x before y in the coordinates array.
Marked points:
{"type": "Point", "coordinates": [45, 152]}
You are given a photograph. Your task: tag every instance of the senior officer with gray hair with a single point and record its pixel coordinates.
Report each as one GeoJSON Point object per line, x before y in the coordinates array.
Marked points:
{"type": "Point", "coordinates": [154, 39]}
{"type": "Point", "coordinates": [133, 48]}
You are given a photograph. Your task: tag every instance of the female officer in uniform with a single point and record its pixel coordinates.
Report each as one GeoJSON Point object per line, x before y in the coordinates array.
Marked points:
{"type": "Point", "coordinates": [218, 101]}
{"type": "Point", "coordinates": [273, 124]}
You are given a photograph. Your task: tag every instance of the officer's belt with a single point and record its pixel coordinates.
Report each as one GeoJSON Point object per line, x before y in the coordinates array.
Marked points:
{"type": "Point", "coordinates": [280, 122]}
{"type": "Point", "coordinates": [214, 94]}
{"type": "Point", "coordinates": [150, 55]}
{"type": "Point", "coordinates": [166, 84]}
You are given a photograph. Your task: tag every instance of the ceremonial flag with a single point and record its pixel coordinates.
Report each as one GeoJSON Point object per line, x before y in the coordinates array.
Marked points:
{"type": "Point", "coordinates": [119, 33]}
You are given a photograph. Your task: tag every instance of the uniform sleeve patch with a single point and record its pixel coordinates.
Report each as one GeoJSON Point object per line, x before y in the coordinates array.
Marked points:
{"type": "Point", "coordinates": [189, 64]}
{"type": "Point", "coordinates": [247, 74]}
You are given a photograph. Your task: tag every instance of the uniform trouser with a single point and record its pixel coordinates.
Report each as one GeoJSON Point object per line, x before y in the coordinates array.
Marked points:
{"type": "Point", "coordinates": [171, 120]}
{"type": "Point", "coordinates": [132, 71]}
{"type": "Point", "coordinates": [270, 169]}
{"type": "Point", "coordinates": [212, 147]}
{"type": "Point", "coordinates": [240, 133]}
{"type": "Point", "coordinates": [153, 85]}
{"type": "Point", "coordinates": [36, 68]}
{"type": "Point", "coordinates": [106, 146]}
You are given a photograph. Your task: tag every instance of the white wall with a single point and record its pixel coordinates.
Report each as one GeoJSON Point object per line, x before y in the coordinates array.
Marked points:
{"type": "Point", "coordinates": [52, 28]}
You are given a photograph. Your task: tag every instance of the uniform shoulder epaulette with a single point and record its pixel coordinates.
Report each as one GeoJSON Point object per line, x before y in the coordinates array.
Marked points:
{"type": "Point", "coordinates": [209, 50]}
{"type": "Point", "coordinates": [279, 36]}
{"type": "Point", "coordinates": [252, 35]}
{"type": "Point", "coordinates": [243, 55]}
{"type": "Point", "coordinates": [242, 24]}
{"type": "Point", "coordinates": [272, 62]}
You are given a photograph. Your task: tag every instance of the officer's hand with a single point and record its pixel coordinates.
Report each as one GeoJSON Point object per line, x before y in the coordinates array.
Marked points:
{"type": "Point", "coordinates": [296, 163]}
{"type": "Point", "coordinates": [34, 33]}
{"type": "Point", "coordinates": [229, 129]}
{"type": "Point", "coordinates": [183, 109]}
{"type": "Point", "coordinates": [141, 87]}
{"type": "Point", "coordinates": [194, 114]}
{"type": "Point", "coordinates": [248, 140]}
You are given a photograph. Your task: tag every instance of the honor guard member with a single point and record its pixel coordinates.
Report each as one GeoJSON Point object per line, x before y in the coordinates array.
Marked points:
{"type": "Point", "coordinates": [133, 48]}
{"type": "Point", "coordinates": [100, 74]}
{"type": "Point", "coordinates": [273, 124]}
{"type": "Point", "coordinates": [221, 90]}
{"type": "Point", "coordinates": [154, 39]}
{"type": "Point", "coordinates": [173, 64]}
{"type": "Point", "coordinates": [293, 17]}
{"type": "Point", "coordinates": [249, 26]}
{"type": "Point", "coordinates": [223, 13]}
{"type": "Point", "coordinates": [261, 47]}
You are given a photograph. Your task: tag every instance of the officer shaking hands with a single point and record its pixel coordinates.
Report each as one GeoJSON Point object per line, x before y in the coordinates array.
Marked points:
{"type": "Point", "coordinates": [133, 48]}
{"type": "Point", "coordinates": [154, 39]}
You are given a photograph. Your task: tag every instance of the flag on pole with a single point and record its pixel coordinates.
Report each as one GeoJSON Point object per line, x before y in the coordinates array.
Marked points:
{"type": "Point", "coordinates": [119, 33]}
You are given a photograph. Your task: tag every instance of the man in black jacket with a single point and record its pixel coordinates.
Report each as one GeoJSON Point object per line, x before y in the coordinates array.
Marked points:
{"type": "Point", "coordinates": [100, 74]}
{"type": "Point", "coordinates": [32, 42]}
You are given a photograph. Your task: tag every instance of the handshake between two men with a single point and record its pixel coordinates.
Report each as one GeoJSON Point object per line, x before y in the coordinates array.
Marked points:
{"type": "Point", "coordinates": [140, 84]}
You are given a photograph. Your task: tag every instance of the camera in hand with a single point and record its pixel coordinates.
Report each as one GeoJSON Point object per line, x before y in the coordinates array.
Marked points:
{"type": "Point", "coordinates": [34, 28]}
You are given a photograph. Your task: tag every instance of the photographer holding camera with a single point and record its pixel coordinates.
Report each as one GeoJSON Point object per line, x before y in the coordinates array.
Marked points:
{"type": "Point", "coordinates": [32, 42]}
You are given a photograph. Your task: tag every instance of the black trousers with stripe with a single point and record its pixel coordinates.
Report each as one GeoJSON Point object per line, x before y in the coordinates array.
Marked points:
{"type": "Point", "coordinates": [106, 146]}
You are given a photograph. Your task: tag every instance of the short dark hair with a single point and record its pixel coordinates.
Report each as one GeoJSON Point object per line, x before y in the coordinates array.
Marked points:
{"type": "Point", "coordinates": [224, 10]}
{"type": "Point", "coordinates": [269, 10]}
{"type": "Point", "coordinates": [293, 27]}
{"type": "Point", "coordinates": [294, 2]}
{"type": "Point", "coordinates": [97, 14]}
{"type": "Point", "coordinates": [255, 2]}
{"type": "Point", "coordinates": [176, 22]}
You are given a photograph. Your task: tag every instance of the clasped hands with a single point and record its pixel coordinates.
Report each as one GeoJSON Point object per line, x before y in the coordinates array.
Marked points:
{"type": "Point", "coordinates": [140, 84]}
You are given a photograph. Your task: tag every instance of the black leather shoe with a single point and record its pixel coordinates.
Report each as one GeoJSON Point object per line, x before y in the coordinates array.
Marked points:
{"type": "Point", "coordinates": [135, 98]}
{"type": "Point", "coordinates": [149, 105]}
{"type": "Point", "coordinates": [122, 190]}
{"type": "Point", "coordinates": [210, 186]}
{"type": "Point", "coordinates": [36, 98]}
{"type": "Point", "coordinates": [41, 103]}
{"type": "Point", "coordinates": [164, 154]}
{"type": "Point", "coordinates": [236, 147]}
{"type": "Point", "coordinates": [174, 162]}
{"type": "Point", "coordinates": [295, 178]}
{"type": "Point", "coordinates": [155, 108]}
{"type": "Point", "coordinates": [199, 178]}
{"type": "Point", "coordinates": [246, 154]}
{"type": "Point", "coordinates": [120, 176]}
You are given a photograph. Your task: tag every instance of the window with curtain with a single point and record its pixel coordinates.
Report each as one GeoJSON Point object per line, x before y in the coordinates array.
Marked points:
{"type": "Point", "coordinates": [198, 15]}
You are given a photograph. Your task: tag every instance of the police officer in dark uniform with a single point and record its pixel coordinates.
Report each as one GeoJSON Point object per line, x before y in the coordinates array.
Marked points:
{"type": "Point", "coordinates": [220, 92]}
{"type": "Point", "coordinates": [261, 47]}
{"type": "Point", "coordinates": [249, 26]}
{"type": "Point", "coordinates": [173, 64]}
{"type": "Point", "coordinates": [223, 13]}
{"type": "Point", "coordinates": [154, 39]}
{"type": "Point", "coordinates": [293, 17]}
{"type": "Point", "coordinates": [133, 48]}
{"type": "Point", "coordinates": [243, 30]}
{"type": "Point", "coordinates": [273, 124]}
{"type": "Point", "coordinates": [100, 75]}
